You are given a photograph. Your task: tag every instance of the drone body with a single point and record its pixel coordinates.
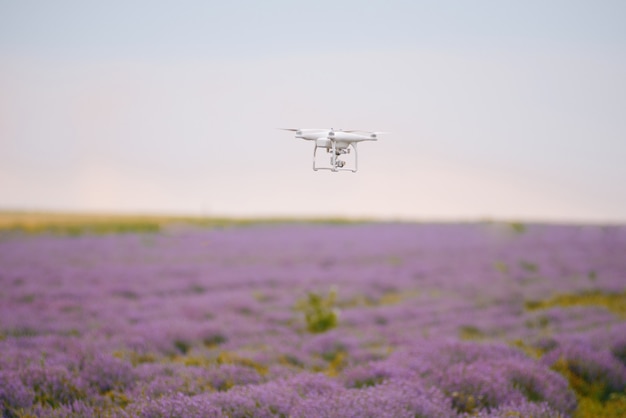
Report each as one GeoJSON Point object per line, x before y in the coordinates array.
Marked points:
{"type": "Point", "coordinates": [336, 143]}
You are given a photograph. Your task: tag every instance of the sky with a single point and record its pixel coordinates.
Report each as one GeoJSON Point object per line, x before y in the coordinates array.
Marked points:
{"type": "Point", "coordinates": [496, 110]}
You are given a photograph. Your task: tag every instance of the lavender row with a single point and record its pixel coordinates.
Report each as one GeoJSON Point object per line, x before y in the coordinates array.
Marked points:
{"type": "Point", "coordinates": [432, 320]}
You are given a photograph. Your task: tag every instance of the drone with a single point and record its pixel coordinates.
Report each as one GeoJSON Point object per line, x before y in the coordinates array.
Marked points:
{"type": "Point", "coordinates": [337, 143]}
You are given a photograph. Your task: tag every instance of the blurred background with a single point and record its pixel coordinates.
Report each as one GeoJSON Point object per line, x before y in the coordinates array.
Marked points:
{"type": "Point", "coordinates": [497, 110]}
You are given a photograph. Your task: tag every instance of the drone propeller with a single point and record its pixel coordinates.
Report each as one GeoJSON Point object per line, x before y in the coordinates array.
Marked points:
{"type": "Point", "coordinates": [368, 132]}
{"type": "Point", "coordinates": [305, 129]}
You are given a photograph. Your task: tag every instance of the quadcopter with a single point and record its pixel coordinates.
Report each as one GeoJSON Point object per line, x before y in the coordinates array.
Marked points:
{"type": "Point", "coordinates": [337, 143]}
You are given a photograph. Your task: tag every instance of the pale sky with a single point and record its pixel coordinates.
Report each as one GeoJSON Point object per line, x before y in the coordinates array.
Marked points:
{"type": "Point", "coordinates": [497, 109]}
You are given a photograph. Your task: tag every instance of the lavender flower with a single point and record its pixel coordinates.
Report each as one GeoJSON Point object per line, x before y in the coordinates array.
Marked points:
{"type": "Point", "coordinates": [176, 406]}
{"type": "Point", "coordinates": [107, 373]}
{"type": "Point", "coordinates": [54, 385]}
{"type": "Point", "coordinates": [200, 322]}
{"type": "Point", "coordinates": [14, 395]}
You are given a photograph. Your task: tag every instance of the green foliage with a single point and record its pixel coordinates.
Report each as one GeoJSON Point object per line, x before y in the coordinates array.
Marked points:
{"type": "Point", "coordinates": [501, 266]}
{"type": "Point", "coordinates": [27, 298]}
{"type": "Point", "coordinates": [465, 403]}
{"type": "Point", "coordinates": [19, 332]}
{"type": "Point", "coordinates": [528, 266]}
{"type": "Point", "coordinates": [197, 288]}
{"type": "Point", "coordinates": [319, 311]}
{"type": "Point", "coordinates": [76, 224]}
{"type": "Point", "coordinates": [614, 302]}
{"type": "Point", "coordinates": [585, 386]}
{"type": "Point", "coordinates": [118, 398]}
{"type": "Point", "coordinates": [470, 332]}
{"type": "Point", "coordinates": [518, 227]}
{"type": "Point", "coordinates": [540, 322]}
{"type": "Point", "coordinates": [182, 346]}
{"type": "Point", "coordinates": [395, 260]}
{"type": "Point", "coordinates": [214, 340]}
{"type": "Point", "coordinates": [97, 228]}
{"type": "Point", "coordinates": [529, 350]}
{"type": "Point", "coordinates": [614, 407]}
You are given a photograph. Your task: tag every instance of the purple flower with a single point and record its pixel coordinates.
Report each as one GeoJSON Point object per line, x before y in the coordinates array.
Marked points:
{"type": "Point", "coordinates": [201, 322]}
{"type": "Point", "coordinates": [522, 409]}
{"type": "Point", "coordinates": [54, 385]}
{"type": "Point", "coordinates": [75, 409]}
{"type": "Point", "coordinates": [176, 406]}
{"type": "Point", "coordinates": [14, 395]}
{"type": "Point", "coordinates": [107, 373]}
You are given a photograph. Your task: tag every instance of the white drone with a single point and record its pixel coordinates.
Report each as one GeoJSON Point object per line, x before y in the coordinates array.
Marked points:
{"type": "Point", "coordinates": [336, 142]}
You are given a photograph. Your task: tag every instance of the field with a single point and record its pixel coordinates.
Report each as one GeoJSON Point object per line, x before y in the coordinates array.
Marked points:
{"type": "Point", "coordinates": [158, 317]}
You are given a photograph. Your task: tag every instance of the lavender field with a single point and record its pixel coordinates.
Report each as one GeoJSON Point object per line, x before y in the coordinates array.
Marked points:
{"type": "Point", "coordinates": [315, 320]}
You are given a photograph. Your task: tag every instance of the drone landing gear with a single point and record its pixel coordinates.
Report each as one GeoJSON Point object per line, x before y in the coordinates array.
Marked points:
{"type": "Point", "coordinates": [335, 163]}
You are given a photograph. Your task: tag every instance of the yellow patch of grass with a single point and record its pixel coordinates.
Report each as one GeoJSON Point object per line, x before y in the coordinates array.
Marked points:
{"type": "Point", "coordinates": [614, 407]}
{"type": "Point", "coordinates": [100, 223]}
{"type": "Point", "coordinates": [529, 350]}
{"type": "Point", "coordinates": [337, 364]}
{"type": "Point", "coordinates": [471, 333]}
{"type": "Point", "coordinates": [230, 358]}
{"type": "Point", "coordinates": [388, 298]}
{"type": "Point", "coordinates": [74, 224]}
{"type": "Point", "coordinates": [614, 302]}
